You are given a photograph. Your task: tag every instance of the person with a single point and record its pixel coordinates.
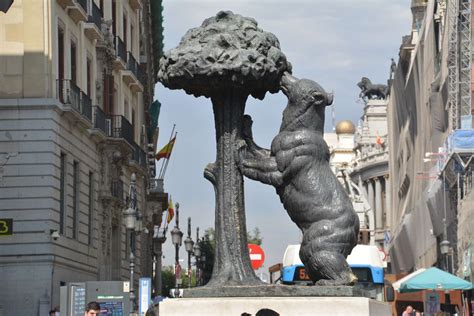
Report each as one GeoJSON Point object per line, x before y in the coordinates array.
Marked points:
{"type": "Point", "coordinates": [410, 311]}
{"type": "Point", "coordinates": [92, 309]}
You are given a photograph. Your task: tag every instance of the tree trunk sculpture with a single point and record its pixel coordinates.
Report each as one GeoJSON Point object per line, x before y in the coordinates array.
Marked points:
{"type": "Point", "coordinates": [227, 59]}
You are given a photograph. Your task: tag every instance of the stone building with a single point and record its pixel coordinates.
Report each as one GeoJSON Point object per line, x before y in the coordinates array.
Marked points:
{"type": "Point", "coordinates": [370, 166]}
{"type": "Point", "coordinates": [76, 80]}
{"type": "Point", "coordinates": [429, 113]}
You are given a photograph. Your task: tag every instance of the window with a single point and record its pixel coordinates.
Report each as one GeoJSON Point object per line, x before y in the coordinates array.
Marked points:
{"type": "Point", "coordinates": [114, 17]}
{"type": "Point", "coordinates": [125, 30]}
{"type": "Point", "coordinates": [60, 54]}
{"type": "Point", "coordinates": [75, 199]}
{"type": "Point", "coordinates": [91, 207]}
{"type": "Point", "coordinates": [89, 77]}
{"type": "Point", "coordinates": [131, 38]}
{"type": "Point", "coordinates": [73, 62]}
{"type": "Point", "coordinates": [102, 8]}
{"type": "Point", "coordinates": [109, 95]}
{"type": "Point", "coordinates": [62, 195]}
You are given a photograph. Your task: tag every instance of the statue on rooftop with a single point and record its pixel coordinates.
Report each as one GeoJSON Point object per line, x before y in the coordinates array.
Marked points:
{"type": "Point", "coordinates": [370, 91]}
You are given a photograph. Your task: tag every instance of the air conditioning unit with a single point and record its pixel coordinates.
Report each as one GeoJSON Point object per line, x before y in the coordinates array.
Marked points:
{"type": "Point", "coordinates": [108, 127]}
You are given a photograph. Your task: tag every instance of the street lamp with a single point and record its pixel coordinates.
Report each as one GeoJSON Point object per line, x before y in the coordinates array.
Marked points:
{"type": "Point", "coordinates": [176, 238]}
{"type": "Point", "coordinates": [197, 255]}
{"type": "Point", "coordinates": [158, 240]}
{"type": "Point", "coordinates": [132, 221]}
{"type": "Point", "coordinates": [188, 244]}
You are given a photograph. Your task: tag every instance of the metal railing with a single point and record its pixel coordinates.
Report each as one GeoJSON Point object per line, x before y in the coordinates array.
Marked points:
{"type": "Point", "coordinates": [120, 49]}
{"type": "Point", "coordinates": [83, 4]}
{"type": "Point", "coordinates": [118, 126]}
{"type": "Point", "coordinates": [139, 155]}
{"type": "Point", "coordinates": [116, 189]}
{"type": "Point", "coordinates": [132, 65]}
{"type": "Point", "coordinates": [156, 185]}
{"type": "Point", "coordinates": [99, 119]}
{"type": "Point", "coordinates": [86, 106]}
{"type": "Point", "coordinates": [70, 94]}
{"type": "Point", "coordinates": [95, 15]}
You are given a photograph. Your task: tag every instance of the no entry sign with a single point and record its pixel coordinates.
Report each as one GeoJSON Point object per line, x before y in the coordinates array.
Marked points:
{"type": "Point", "coordinates": [257, 256]}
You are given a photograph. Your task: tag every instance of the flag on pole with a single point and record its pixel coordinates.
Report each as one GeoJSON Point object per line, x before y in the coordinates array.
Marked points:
{"type": "Point", "coordinates": [379, 140]}
{"type": "Point", "coordinates": [165, 152]}
{"type": "Point", "coordinates": [170, 211]}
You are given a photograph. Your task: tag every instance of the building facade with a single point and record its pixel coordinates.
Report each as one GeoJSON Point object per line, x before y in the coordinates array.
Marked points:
{"type": "Point", "coordinates": [76, 80]}
{"type": "Point", "coordinates": [429, 111]}
{"type": "Point", "coordinates": [370, 167]}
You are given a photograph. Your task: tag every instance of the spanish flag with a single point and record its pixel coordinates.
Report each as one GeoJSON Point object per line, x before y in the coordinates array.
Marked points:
{"type": "Point", "coordinates": [379, 140]}
{"type": "Point", "coordinates": [165, 152]}
{"type": "Point", "coordinates": [170, 211]}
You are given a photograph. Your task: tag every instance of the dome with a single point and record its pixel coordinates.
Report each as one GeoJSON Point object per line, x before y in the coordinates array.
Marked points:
{"type": "Point", "coordinates": [345, 127]}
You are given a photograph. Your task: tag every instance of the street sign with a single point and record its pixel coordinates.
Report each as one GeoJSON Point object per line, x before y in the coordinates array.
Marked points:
{"type": "Point", "coordinates": [257, 256]}
{"type": "Point", "coordinates": [145, 295]}
{"type": "Point", "coordinates": [6, 226]}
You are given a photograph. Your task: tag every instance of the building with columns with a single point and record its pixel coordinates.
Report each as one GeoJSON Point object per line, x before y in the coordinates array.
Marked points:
{"type": "Point", "coordinates": [76, 80]}
{"type": "Point", "coordinates": [370, 166]}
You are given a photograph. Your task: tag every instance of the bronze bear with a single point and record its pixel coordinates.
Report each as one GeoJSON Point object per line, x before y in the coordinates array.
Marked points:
{"type": "Point", "coordinates": [298, 167]}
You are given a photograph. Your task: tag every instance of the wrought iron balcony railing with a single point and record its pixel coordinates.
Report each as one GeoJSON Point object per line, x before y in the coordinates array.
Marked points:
{"type": "Point", "coordinates": [70, 94]}
{"type": "Point", "coordinates": [95, 15]}
{"type": "Point", "coordinates": [120, 49]}
{"type": "Point", "coordinates": [99, 119]}
{"type": "Point", "coordinates": [118, 126]}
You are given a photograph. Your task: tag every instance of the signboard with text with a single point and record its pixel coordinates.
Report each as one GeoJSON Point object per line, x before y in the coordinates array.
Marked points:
{"type": "Point", "coordinates": [6, 226]}
{"type": "Point", "coordinates": [144, 295]}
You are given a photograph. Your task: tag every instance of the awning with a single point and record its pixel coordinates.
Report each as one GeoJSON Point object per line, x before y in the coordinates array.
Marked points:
{"type": "Point", "coordinates": [434, 279]}
{"type": "Point", "coordinates": [396, 285]}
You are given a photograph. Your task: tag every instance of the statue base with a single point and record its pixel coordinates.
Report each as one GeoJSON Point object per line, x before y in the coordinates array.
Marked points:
{"type": "Point", "coordinates": [274, 291]}
{"type": "Point", "coordinates": [297, 305]}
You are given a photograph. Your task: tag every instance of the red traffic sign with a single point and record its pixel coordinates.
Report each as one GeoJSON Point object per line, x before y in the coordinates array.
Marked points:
{"type": "Point", "coordinates": [257, 256]}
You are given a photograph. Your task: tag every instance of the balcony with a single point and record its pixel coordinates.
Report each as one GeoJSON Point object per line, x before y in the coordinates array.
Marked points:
{"type": "Point", "coordinates": [76, 9]}
{"type": "Point", "coordinates": [116, 190]}
{"type": "Point", "coordinates": [92, 28]}
{"type": "Point", "coordinates": [139, 156]}
{"type": "Point", "coordinates": [120, 61]}
{"type": "Point", "coordinates": [99, 119]}
{"type": "Point", "coordinates": [71, 96]}
{"type": "Point", "coordinates": [135, 4]}
{"type": "Point", "coordinates": [117, 126]}
{"type": "Point", "coordinates": [131, 75]}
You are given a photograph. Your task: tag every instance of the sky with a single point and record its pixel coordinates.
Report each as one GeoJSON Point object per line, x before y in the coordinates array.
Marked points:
{"type": "Point", "coordinates": [333, 42]}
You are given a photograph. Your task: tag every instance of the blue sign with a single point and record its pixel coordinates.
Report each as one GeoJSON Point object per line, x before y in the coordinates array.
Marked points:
{"type": "Point", "coordinates": [144, 295]}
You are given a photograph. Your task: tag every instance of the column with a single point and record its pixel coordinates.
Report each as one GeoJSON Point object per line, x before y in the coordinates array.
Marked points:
{"type": "Point", "coordinates": [378, 205]}
{"type": "Point", "coordinates": [388, 202]}
{"type": "Point", "coordinates": [362, 189]}
{"type": "Point", "coordinates": [370, 194]}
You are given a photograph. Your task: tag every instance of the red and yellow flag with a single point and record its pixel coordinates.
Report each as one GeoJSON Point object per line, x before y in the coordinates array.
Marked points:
{"type": "Point", "coordinates": [165, 152]}
{"type": "Point", "coordinates": [170, 211]}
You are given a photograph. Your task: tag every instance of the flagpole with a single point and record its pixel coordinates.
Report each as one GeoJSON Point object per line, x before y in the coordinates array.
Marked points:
{"type": "Point", "coordinates": [167, 160]}
{"type": "Point", "coordinates": [163, 163]}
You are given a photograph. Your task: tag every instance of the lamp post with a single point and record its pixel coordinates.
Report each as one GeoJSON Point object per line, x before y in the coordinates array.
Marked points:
{"type": "Point", "coordinates": [158, 240]}
{"type": "Point", "coordinates": [197, 255]}
{"type": "Point", "coordinates": [188, 244]}
{"type": "Point", "coordinates": [132, 221]}
{"type": "Point", "coordinates": [176, 238]}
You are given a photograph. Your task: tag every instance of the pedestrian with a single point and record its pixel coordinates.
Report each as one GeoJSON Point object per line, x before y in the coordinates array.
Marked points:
{"type": "Point", "coordinates": [409, 311]}
{"type": "Point", "coordinates": [92, 309]}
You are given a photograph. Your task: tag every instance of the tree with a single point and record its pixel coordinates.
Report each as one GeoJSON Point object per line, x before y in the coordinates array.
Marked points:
{"type": "Point", "coordinates": [227, 59]}
{"type": "Point", "coordinates": [208, 245]}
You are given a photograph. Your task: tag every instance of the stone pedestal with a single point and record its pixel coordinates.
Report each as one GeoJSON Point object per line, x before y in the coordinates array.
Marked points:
{"type": "Point", "coordinates": [287, 306]}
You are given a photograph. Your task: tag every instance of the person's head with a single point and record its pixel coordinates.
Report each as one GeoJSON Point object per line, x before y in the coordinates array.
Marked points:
{"type": "Point", "coordinates": [52, 312]}
{"type": "Point", "coordinates": [409, 309]}
{"type": "Point", "coordinates": [92, 309]}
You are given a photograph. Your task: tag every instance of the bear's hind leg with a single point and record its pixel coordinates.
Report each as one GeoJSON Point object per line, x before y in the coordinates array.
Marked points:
{"type": "Point", "coordinates": [331, 268]}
